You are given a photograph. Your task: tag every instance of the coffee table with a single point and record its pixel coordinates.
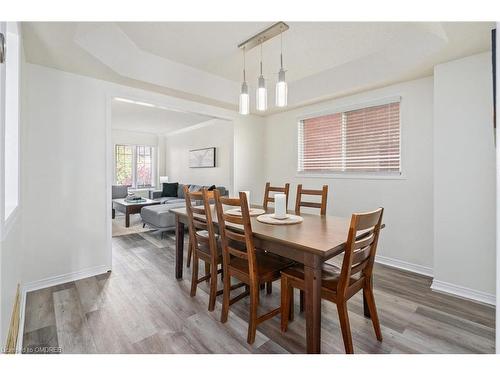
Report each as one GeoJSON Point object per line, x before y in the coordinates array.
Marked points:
{"type": "Point", "coordinates": [129, 208]}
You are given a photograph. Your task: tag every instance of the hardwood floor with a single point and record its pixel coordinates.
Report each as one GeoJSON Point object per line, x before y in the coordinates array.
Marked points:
{"type": "Point", "coordinates": [141, 308]}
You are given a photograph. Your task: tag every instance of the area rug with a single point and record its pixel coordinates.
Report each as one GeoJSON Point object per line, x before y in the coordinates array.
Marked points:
{"type": "Point", "coordinates": [119, 229]}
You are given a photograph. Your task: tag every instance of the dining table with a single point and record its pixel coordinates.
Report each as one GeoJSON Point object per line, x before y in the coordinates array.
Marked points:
{"type": "Point", "coordinates": [311, 242]}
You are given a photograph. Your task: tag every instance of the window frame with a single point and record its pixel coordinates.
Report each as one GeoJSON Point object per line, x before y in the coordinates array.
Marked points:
{"type": "Point", "coordinates": [376, 175]}
{"type": "Point", "coordinates": [6, 223]}
{"type": "Point", "coordinates": [154, 165]}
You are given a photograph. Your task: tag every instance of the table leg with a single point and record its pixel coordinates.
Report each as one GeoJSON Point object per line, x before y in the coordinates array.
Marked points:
{"type": "Point", "coordinates": [179, 247]}
{"type": "Point", "coordinates": [127, 218]}
{"type": "Point", "coordinates": [312, 278]}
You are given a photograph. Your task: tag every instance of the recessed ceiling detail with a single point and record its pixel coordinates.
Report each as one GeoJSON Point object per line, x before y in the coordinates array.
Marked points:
{"type": "Point", "coordinates": [199, 60]}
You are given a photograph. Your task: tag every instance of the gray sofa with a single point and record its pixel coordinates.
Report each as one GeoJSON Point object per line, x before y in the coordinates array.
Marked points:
{"type": "Point", "coordinates": [159, 216]}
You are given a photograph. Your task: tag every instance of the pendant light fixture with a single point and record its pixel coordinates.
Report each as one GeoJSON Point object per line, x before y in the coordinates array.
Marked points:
{"type": "Point", "coordinates": [261, 93]}
{"type": "Point", "coordinates": [281, 86]}
{"type": "Point", "coordinates": [261, 88]}
{"type": "Point", "coordinates": [244, 97]}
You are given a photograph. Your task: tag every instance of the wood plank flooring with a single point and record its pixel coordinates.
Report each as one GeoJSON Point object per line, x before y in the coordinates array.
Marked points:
{"type": "Point", "coordinates": [141, 308]}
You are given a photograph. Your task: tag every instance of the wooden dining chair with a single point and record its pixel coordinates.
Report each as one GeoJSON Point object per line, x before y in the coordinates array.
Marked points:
{"type": "Point", "coordinates": [274, 189]}
{"type": "Point", "coordinates": [203, 243]}
{"type": "Point", "coordinates": [321, 205]}
{"type": "Point", "coordinates": [340, 284]}
{"type": "Point", "coordinates": [242, 261]}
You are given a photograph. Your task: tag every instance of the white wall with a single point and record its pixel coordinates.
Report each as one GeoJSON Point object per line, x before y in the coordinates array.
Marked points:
{"type": "Point", "coordinates": [218, 134]}
{"type": "Point", "coordinates": [408, 236]}
{"type": "Point", "coordinates": [464, 175]}
{"type": "Point", "coordinates": [68, 158]}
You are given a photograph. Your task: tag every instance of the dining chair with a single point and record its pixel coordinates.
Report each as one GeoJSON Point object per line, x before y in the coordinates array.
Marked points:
{"type": "Point", "coordinates": [242, 262]}
{"type": "Point", "coordinates": [340, 284]}
{"type": "Point", "coordinates": [274, 189]}
{"type": "Point", "coordinates": [203, 243]}
{"type": "Point", "coordinates": [321, 205]}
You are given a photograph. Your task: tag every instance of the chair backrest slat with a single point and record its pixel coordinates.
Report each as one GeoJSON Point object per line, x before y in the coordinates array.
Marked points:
{"type": "Point", "coordinates": [201, 222]}
{"type": "Point", "coordinates": [321, 205]}
{"type": "Point", "coordinates": [274, 189]}
{"type": "Point", "coordinates": [236, 241]}
{"type": "Point", "coordinates": [361, 247]}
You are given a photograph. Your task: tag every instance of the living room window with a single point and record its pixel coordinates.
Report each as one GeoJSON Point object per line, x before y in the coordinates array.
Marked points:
{"type": "Point", "coordinates": [364, 140]}
{"type": "Point", "coordinates": [135, 166]}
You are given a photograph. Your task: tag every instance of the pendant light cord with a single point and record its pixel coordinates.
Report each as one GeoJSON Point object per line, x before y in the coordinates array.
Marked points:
{"type": "Point", "coordinates": [261, 58]}
{"type": "Point", "coordinates": [244, 64]}
{"type": "Point", "coordinates": [281, 48]}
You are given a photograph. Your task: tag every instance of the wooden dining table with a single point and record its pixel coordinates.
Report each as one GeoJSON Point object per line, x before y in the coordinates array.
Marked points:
{"type": "Point", "coordinates": [311, 242]}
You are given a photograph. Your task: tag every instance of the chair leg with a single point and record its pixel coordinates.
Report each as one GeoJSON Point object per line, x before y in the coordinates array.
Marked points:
{"type": "Point", "coordinates": [302, 301]}
{"type": "Point", "coordinates": [225, 298]}
{"type": "Point", "coordinates": [291, 299]}
{"type": "Point", "coordinates": [194, 275]}
{"type": "Point", "coordinates": [269, 287]}
{"type": "Point", "coordinates": [344, 325]}
{"type": "Point", "coordinates": [144, 225]}
{"type": "Point", "coordinates": [262, 286]}
{"type": "Point", "coordinates": [190, 254]}
{"type": "Point", "coordinates": [213, 288]}
{"type": "Point", "coordinates": [207, 270]}
{"type": "Point", "coordinates": [370, 300]}
{"type": "Point", "coordinates": [285, 303]}
{"type": "Point", "coordinates": [252, 322]}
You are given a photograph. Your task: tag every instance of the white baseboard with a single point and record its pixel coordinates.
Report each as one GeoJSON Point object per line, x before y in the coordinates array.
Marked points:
{"type": "Point", "coordinates": [415, 268]}
{"type": "Point", "coordinates": [65, 278]}
{"type": "Point", "coordinates": [461, 291]}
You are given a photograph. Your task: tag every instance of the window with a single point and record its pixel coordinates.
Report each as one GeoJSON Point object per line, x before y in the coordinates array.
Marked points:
{"type": "Point", "coordinates": [134, 166]}
{"type": "Point", "coordinates": [365, 140]}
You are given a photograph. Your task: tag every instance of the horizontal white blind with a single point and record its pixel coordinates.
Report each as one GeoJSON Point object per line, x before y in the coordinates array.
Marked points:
{"type": "Point", "coordinates": [362, 140]}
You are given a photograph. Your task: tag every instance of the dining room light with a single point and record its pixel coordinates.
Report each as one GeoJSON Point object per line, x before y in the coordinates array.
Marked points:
{"type": "Point", "coordinates": [261, 88]}
{"type": "Point", "coordinates": [281, 86]}
{"type": "Point", "coordinates": [244, 97]}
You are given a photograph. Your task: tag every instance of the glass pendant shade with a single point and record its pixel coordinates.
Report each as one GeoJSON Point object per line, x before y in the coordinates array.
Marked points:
{"type": "Point", "coordinates": [281, 90]}
{"type": "Point", "coordinates": [244, 100]}
{"type": "Point", "coordinates": [261, 94]}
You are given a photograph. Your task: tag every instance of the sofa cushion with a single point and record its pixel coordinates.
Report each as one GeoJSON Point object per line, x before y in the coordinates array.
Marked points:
{"type": "Point", "coordinates": [170, 189]}
{"type": "Point", "coordinates": [169, 200]}
{"type": "Point", "coordinates": [159, 216]}
{"type": "Point", "coordinates": [180, 191]}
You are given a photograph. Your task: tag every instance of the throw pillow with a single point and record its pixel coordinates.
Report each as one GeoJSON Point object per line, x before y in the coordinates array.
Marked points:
{"type": "Point", "coordinates": [211, 188]}
{"type": "Point", "coordinates": [180, 191]}
{"type": "Point", "coordinates": [169, 189]}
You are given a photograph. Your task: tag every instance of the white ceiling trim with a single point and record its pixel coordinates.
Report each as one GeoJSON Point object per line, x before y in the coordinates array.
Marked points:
{"type": "Point", "coordinates": [126, 59]}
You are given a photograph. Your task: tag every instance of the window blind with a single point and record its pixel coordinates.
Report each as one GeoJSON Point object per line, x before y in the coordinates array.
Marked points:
{"type": "Point", "coordinates": [361, 140]}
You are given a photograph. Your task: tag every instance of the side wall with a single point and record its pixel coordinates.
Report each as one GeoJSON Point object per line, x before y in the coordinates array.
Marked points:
{"type": "Point", "coordinates": [218, 134]}
{"type": "Point", "coordinates": [407, 240]}
{"type": "Point", "coordinates": [464, 177]}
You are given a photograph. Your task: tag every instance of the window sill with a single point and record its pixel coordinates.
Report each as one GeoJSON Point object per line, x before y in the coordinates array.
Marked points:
{"type": "Point", "coordinates": [348, 176]}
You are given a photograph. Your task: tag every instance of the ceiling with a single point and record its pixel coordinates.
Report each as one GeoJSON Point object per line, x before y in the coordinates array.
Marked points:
{"type": "Point", "coordinates": [154, 120]}
{"type": "Point", "coordinates": [309, 47]}
{"type": "Point", "coordinates": [201, 61]}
